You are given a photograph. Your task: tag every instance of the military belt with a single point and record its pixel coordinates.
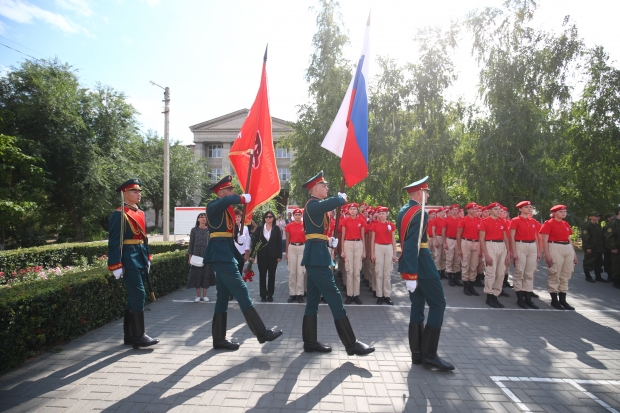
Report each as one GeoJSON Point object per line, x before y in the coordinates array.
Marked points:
{"type": "Point", "coordinates": [560, 242]}
{"type": "Point", "coordinates": [132, 241]}
{"type": "Point", "coordinates": [316, 236]}
{"type": "Point", "coordinates": [424, 245]}
{"type": "Point", "coordinates": [221, 235]}
{"type": "Point", "coordinates": [527, 242]}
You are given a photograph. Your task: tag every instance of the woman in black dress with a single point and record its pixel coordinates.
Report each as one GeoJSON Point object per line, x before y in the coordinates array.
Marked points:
{"type": "Point", "coordinates": [200, 277]}
{"type": "Point", "coordinates": [267, 239]}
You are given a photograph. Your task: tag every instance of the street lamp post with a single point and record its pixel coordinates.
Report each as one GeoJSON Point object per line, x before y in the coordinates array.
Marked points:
{"type": "Point", "coordinates": [166, 218]}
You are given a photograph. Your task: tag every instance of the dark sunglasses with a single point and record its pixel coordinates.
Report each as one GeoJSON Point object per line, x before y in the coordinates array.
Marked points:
{"type": "Point", "coordinates": [269, 216]}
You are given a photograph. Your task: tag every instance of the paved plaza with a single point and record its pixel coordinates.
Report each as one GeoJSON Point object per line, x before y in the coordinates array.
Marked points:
{"type": "Point", "coordinates": [507, 360]}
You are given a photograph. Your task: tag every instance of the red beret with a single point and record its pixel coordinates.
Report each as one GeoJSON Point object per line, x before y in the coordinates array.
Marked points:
{"type": "Point", "coordinates": [297, 211]}
{"type": "Point", "coordinates": [352, 204]}
{"type": "Point", "coordinates": [454, 206]}
{"type": "Point", "coordinates": [505, 208]}
{"type": "Point", "coordinates": [523, 203]}
{"type": "Point", "coordinates": [382, 209]}
{"type": "Point", "coordinates": [493, 205]}
{"type": "Point", "coordinates": [432, 211]}
{"type": "Point", "coordinates": [471, 205]}
{"type": "Point", "coordinates": [558, 208]}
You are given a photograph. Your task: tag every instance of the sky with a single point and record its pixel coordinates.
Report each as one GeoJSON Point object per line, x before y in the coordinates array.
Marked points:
{"type": "Point", "coordinates": [210, 52]}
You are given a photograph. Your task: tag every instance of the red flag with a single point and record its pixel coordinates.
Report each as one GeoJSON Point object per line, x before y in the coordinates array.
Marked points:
{"type": "Point", "coordinates": [256, 134]}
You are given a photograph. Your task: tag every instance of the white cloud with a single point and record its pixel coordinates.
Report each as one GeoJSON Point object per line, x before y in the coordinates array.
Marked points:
{"type": "Point", "coordinates": [23, 12]}
{"type": "Point", "coordinates": [79, 6]}
{"type": "Point", "coordinates": [3, 28]}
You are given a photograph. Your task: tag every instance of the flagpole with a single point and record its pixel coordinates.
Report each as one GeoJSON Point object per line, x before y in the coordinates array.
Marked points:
{"type": "Point", "coordinates": [335, 235]}
{"type": "Point", "coordinates": [247, 182]}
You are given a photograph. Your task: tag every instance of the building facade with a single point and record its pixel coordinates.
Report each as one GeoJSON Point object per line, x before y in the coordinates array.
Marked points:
{"type": "Point", "coordinates": [213, 139]}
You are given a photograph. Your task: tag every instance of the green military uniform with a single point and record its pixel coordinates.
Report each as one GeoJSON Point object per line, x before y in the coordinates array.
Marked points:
{"type": "Point", "coordinates": [224, 258]}
{"type": "Point", "coordinates": [129, 257]}
{"type": "Point", "coordinates": [612, 242]}
{"type": "Point", "coordinates": [417, 267]}
{"type": "Point", "coordinates": [592, 239]}
{"type": "Point", "coordinates": [317, 261]}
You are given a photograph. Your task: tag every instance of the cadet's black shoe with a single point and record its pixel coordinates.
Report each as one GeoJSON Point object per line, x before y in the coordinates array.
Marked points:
{"type": "Point", "coordinates": [270, 299]}
{"type": "Point", "coordinates": [357, 300]}
{"type": "Point", "coordinates": [351, 344]}
{"type": "Point", "coordinates": [430, 342]}
{"type": "Point", "coordinates": [309, 335]}
{"type": "Point", "coordinates": [442, 275]}
{"type": "Point", "coordinates": [300, 299]}
{"type": "Point", "coordinates": [554, 302]}
{"type": "Point", "coordinates": [478, 282]}
{"type": "Point", "coordinates": [380, 300]}
{"type": "Point", "coordinates": [521, 300]}
{"type": "Point", "coordinates": [471, 289]}
{"type": "Point", "coordinates": [348, 300]}
{"type": "Point", "coordinates": [506, 283]}
{"type": "Point", "coordinates": [374, 294]}
{"type": "Point", "coordinates": [451, 279]}
{"type": "Point", "coordinates": [225, 345]}
{"type": "Point", "coordinates": [597, 277]}
{"type": "Point", "coordinates": [564, 303]}
{"type": "Point", "coordinates": [491, 302]}
{"type": "Point", "coordinates": [457, 279]}
{"type": "Point", "coordinates": [529, 302]}
{"type": "Point", "coordinates": [504, 294]}
{"type": "Point", "coordinates": [466, 289]}
{"type": "Point", "coordinates": [500, 305]}
{"type": "Point", "coordinates": [534, 295]}
{"type": "Point", "coordinates": [588, 277]}
{"type": "Point", "coordinates": [292, 299]}
{"type": "Point", "coordinates": [388, 301]}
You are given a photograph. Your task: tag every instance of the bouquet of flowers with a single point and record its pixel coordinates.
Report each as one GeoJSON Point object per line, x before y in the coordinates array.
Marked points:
{"type": "Point", "coordinates": [248, 272]}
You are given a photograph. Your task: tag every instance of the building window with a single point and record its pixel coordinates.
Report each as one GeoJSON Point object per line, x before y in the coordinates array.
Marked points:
{"type": "Point", "coordinates": [214, 151]}
{"type": "Point", "coordinates": [284, 174]}
{"type": "Point", "coordinates": [283, 153]}
{"type": "Point", "coordinates": [215, 174]}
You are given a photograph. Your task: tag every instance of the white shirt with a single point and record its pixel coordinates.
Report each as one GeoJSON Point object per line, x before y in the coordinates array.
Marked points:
{"type": "Point", "coordinates": [267, 233]}
{"type": "Point", "coordinates": [246, 245]}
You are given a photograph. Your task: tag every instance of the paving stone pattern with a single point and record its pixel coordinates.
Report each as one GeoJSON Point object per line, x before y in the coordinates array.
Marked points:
{"type": "Point", "coordinates": [499, 353]}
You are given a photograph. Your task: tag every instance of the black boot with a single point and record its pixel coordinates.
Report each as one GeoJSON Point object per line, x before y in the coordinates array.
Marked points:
{"type": "Point", "coordinates": [351, 344]}
{"type": "Point", "coordinates": [348, 300]}
{"type": "Point", "coordinates": [309, 334]}
{"type": "Point", "coordinates": [451, 279]}
{"type": "Point", "coordinates": [534, 295]}
{"type": "Point", "coordinates": [415, 342]}
{"type": "Point", "coordinates": [506, 283]}
{"type": "Point", "coordinates": [521, 300]}
{"type": "Point", "coordinates": [258, 328]}
{"type": "Point", "coordinates": [491, 302]}
{"type": "Point", "coordinates": [555, 303]}
{"type": "Point", "coordinates": [136, 329]}
{"type": "Point", "coordinates": [588, 276]}
{"type": "Point", "coordinates": [127, 339]}
{"type": "Point", "coordinates": [564, 303]}
{"type": "Point", "coordinates": [442, 275]}
{"type": "Point", "coordinates": [500, 305]}
{"type": "Point", "coordinates": [528, 300]}
{"type": "Point", "coordinates": [466, 290]}
{"type": "Point", "coordinates": [478, 282]}
{"type": "Point", "coordinates": [218, 331]}
{"type": "Point", "coordinates": [457, 279]}
{"type": "Point", "coordinates": [598, 277]}
{"type": "Point", "coordinates": [504, 294]}
{"type": "Point", "coordinates": [471, 289]}
{"type": "Point", "coordinates": [430, 342]}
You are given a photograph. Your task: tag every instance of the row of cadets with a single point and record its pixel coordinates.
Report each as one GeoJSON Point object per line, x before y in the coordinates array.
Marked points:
{"type": "Point", "coordinates": [295, 244]}
{"type": "Point", "coordinates": [494, 247]}
{"type": "Point", "coordinates": [468, 246]}
{"type": "Point", "coordinates": [353, 251]}
{"type": "Point", "coordinates": [383, 254]}
{"type": "Point", "coordinates": [370, 274]}
{"type": "Point", "coordinates": [526, 247]}
{"type": "Point", "coordinates": [438, 241]}
{"type": "Point", "coordinates": [448, 233]}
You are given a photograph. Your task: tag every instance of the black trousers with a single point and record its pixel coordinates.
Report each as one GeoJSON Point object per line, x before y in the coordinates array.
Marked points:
{"type": "Point", "coordinates": [267, 273]}
{"type": "Point", "coordinates": [607, 261]}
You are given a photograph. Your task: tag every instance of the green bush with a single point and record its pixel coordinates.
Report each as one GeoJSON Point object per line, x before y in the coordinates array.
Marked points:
{"type": "Point", "coordinates": [36, 316]}
{"type": "Point", "coordinates": [67, 254]}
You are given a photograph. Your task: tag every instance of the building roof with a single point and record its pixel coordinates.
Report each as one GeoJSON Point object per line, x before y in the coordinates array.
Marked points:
{"type": "Point", "coordinates": [232, 122]}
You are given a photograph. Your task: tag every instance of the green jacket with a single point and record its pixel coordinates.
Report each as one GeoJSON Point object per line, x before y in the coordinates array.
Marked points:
{"type": "Point", "coordinates": [612, 234]}
{"type": "Point", "coordinates": [316, 222]}
{"type": "Point", "coordinates": [221, 220]}
{"type": "Point", "coordinates": [592, 237]}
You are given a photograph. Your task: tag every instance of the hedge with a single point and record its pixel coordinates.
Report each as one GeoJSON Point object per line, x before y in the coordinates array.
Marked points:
{"type": "Point", "coordinates": [67, 254]}
{"type": "Point", "coordinates": [39, 315]}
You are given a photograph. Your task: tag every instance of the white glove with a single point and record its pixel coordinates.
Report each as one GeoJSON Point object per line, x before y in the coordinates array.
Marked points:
{"type": "Point", "coordinates": [342, 195]}
{"type": "Point", "coordinates": [118, 273]}
{"type": "Point", "coordinates": [241, 239]}
{"type": "Point", "coordinates": [148, 266]}
{"type": "Point", "coordinates": [333, 242]}
{"type": "Point", "coordinates": [411, 285]}
{"type": "Point", "coordinates": [247, 197]}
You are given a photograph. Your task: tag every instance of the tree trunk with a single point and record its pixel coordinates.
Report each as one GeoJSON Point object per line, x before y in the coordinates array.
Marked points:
{"type": "Point", "coordinates": [156, 217]}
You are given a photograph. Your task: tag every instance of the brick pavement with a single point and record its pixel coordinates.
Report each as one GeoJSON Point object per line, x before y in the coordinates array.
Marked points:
{"type": "Point", "coordinates": [507, 360]}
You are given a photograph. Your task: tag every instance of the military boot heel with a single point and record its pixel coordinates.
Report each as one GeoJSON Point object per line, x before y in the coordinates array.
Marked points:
{"type": "Point", "coordinates": [218, 330]}
{"type": "Point", "coordinates": [309, 335]}
{"type": "Point", "coordinates": [351, 344]}
{"type": "Point", "coordinates": [258, 328]}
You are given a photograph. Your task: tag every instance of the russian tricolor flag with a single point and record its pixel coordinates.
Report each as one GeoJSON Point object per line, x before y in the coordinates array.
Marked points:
{"type": "Point", "coordinates": [348, 136]}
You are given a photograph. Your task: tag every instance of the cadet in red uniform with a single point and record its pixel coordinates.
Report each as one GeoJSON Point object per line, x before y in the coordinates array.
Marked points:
{"type": "Point", "coordinates": [525, 253]}
{"type": "Point", "coordinates": [560, 256]}
{"type": "Point", "coordinates": [295, 241]}
{"type": "Point", "coordinates": [383, 254]}
{"type": "Point", "coordinates": [440, 252]}
{"type": "Point", "coordinates": [483, 214]}
{"type": "Point", "coordinates": [432, 215]}
{"type": "Point", "coordinates": [453, 261]}
{"type": "Point", "coordinates": [494, 246]}
{"type": "Point", "coordinates": [468, 245]}
{"type": "Point", "coordinates": [353, 252]}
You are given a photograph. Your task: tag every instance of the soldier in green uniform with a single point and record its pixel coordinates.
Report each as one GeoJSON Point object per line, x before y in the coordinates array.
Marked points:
{"type": "Point", "coordinates": [129, 258]}
{"type": "Point", "coordinates": [224, 257]}
{"type": "Point", "coordinates": [317, 261]}
{"type": "Point", "coordinates": [422, 279]}
{"type": "Point", "coordinates": [612, 242]}
{"type": "Point", "coordinates": [593, 245]}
